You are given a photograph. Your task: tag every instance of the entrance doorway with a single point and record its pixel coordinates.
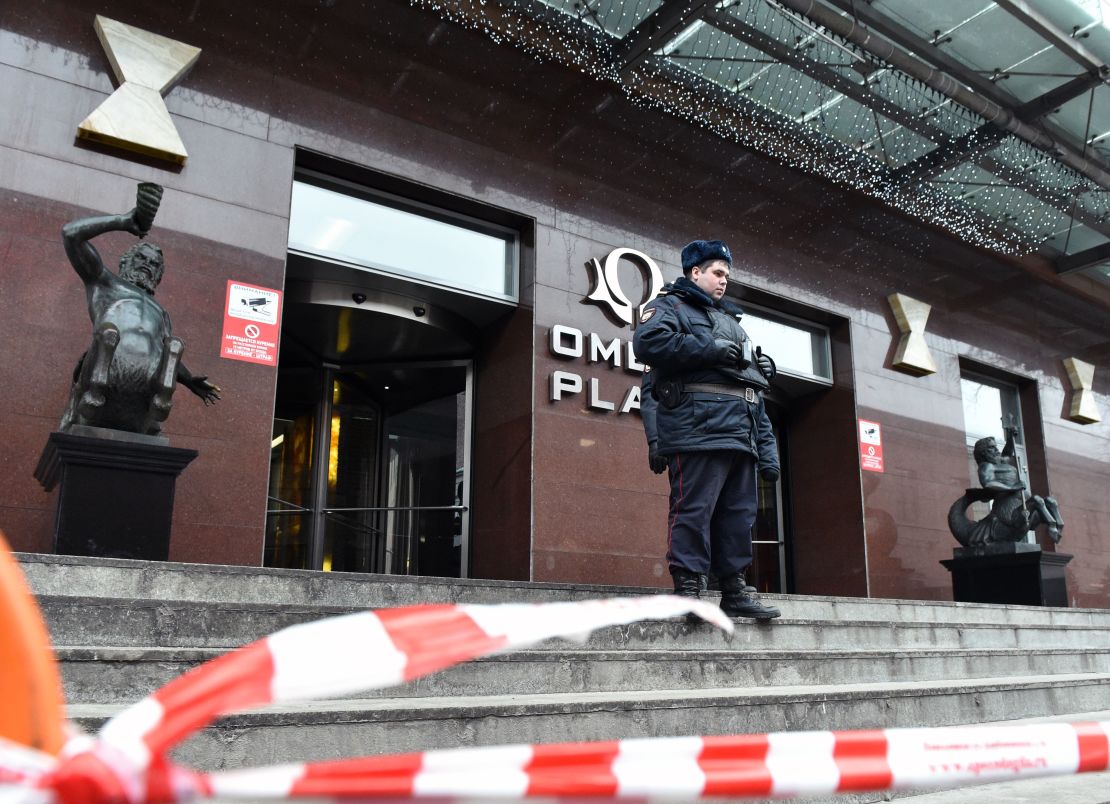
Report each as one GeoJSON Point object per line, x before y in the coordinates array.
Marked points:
{"type": "Point", "coordinates": [368, 469]}
{"type": "Point", "coordinates": [370, 456]}
{"type": "Point", "coordinates": [389, 289]}
{"type": "Point", "coordinates": [801, 349]}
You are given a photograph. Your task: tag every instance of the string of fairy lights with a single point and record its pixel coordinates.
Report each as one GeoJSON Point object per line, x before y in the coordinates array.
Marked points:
{"type": "Point", "coordinates": [1007, 196]}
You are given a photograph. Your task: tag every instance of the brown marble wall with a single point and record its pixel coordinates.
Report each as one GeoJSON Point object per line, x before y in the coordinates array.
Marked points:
{"type": "Point", "coordinates": [242, 112]}
{"type": "Point", "coordinates": [501, 500]}
{"type": "Point", "coordinates": [600, 513]}
{"type": "Point", "coordinates": [223, 216]}
{"type": "Point", "coordinates": [982, 320]}
{"type": "Point", "coordinates": [828, 547]}
{"type": "Point", "coordinates": [398, 90]}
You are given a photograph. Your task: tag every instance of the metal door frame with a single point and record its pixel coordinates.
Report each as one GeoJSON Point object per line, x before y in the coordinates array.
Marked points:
{"type": "Point", "coordinates": [780, 501]}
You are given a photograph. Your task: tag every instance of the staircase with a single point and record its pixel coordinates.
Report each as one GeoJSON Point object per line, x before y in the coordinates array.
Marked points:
{"type": "Point", "coordinates": [122, 628]}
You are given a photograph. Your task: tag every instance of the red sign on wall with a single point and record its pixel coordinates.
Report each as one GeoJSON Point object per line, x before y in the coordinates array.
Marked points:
{"type": "Point", "coordinates": [252, 316]}
{"type": "Point", "coordinates": [870, 446]}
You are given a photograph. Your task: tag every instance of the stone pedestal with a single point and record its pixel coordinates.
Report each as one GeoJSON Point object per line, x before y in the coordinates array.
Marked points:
{"type": "Point", "coordinates": [1020, 574]}
{"type": "Point", "coordinates": [115, 492]}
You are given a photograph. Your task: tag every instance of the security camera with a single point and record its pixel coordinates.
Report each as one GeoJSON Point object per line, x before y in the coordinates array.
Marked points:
{"type": "Point", "coordinates": [419, 311]}
{"type": "Point", "coordinates": [358, 298]}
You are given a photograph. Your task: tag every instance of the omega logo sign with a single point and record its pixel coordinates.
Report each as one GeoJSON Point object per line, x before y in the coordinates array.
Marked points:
{"type": "Point", "coordinates": [606, 289]}
{"type": "Point", "coordinates": [571, 343]}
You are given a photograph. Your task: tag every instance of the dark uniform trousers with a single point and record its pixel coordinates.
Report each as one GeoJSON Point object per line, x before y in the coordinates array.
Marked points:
{"type": "Point", "coordinates": [714, 498]}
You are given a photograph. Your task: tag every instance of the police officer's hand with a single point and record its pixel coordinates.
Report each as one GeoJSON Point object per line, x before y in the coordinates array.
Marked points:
{"type": "Point", "coordinates": [769, 473]}
{"type": "Point", "coordinates": [657, 462]}
{"type": "Point", "coordinates": [766, 366]}
{"type": "Point", "coordinates": [725, 352]}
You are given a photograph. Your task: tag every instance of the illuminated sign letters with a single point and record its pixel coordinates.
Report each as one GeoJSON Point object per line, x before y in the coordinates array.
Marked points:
{"type": "Point", "coordinates": [593, 348]}
{"type": "Point", "coordinates": [606, 288]}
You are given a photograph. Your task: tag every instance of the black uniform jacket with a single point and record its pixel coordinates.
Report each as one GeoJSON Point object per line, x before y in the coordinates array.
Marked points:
{"type": "Point", "coordinates": [675, 339]}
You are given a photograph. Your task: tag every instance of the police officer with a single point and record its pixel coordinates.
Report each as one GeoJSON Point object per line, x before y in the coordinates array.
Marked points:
{"type": "Point", "coordinates": [706, 423]}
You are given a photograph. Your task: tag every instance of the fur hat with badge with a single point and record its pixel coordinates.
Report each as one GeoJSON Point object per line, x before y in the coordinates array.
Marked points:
{"type": "Point", "coordinates": [700, 252]}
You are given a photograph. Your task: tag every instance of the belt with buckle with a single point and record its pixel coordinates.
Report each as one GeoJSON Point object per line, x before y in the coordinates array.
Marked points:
{"type": "Point", "coordinates": [747, 393]}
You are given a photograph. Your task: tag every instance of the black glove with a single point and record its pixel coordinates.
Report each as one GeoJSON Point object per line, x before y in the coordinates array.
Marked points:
{"type": "Point", "coordinates": [766, 365]}
{"type": "Point", "coordinates": [657, 462]}
{"type": "Point", "coordinates": [769, 473]}
{"type": "Point", "coordinates": [725, 352]}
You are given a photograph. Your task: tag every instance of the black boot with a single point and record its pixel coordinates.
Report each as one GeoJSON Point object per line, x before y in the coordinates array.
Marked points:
{"type": "Point", "coordinates": [714, 582]}
{"type": "Point", "coordinates": [689, 584]}
{"type": "Point", "coordinates": [737, 601]}
{"type": "Point", "coordinates": [686, 583]}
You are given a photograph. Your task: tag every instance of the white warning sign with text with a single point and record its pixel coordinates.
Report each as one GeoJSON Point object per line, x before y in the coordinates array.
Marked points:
{"type": "Point", "coordinates": [252, 317]}
{"type": "Point", "coordinates": [870, 446]}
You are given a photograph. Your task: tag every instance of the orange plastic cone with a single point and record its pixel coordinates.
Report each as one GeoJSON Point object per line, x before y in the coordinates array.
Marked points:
{"type": "Point", "coordinates": [31, 703]}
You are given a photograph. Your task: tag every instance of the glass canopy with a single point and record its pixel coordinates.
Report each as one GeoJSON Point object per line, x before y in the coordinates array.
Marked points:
{"type": "Point", "coordinates": [989, 119]}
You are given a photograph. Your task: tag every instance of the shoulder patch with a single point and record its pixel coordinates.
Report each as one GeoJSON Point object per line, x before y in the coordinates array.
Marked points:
{"type": "Point", "coordinates": [648, 313]}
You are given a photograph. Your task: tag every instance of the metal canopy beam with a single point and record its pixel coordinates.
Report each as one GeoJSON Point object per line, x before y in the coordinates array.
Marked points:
{"type": "Point", "coordinates": [656, 29]}
{"type": "Point", "coordinates": [862, 11]}
{"type": "Point", "coordinates": [1071, 263]}
{"type": "Point", "coordinates": [1055, 98]}
{"type": "Point", "coordinates": [1062, 203]}
{"type": "Point", "coordinates": [738, 29]}
{"type": "Point", "coordinates": [1071, 152]}
{"type": "Point", "coordinates": [974, 146]}
{"type": "Point", "coordinates": [1066, 44]}
{"type": "Point", "coordinates": [951, 154]}
{"type": "Point", "coordinates": [948, 154]}
{"type": "Point", "coordinates": [1028, 112]}
{"type": "Point", "coordinates": [992, 111]}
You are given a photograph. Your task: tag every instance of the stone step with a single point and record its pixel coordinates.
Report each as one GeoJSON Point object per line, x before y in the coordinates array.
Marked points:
{"type": "Point", "coordinates": [112, 622]}
{"type": "Point", "coordinates": [124, 675]}
{"type": "Point", "coordinates": [175, 582]}
{"type": "Point", "coordinates": [331, 729]}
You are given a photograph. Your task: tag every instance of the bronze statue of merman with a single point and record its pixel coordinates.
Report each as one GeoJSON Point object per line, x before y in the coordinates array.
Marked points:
{"type": "Point", "coordinates": [1011, 516]}
{"type": "Point", "coordinates": [126, 378]}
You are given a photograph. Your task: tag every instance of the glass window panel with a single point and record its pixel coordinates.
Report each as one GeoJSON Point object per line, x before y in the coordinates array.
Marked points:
{"type": "Point", "coordinates": [795, 348]}
{"type": "Point", "coordinates": [355, 230]}
{"type": "Point", "coordinates": [982, 410]}
{"type": "Point", "coordinates": [986, 405]}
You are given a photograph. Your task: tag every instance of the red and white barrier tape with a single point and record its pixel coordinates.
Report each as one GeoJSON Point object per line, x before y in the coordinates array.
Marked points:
{"type": "Point", "coordinates": [127, 762]}
{"type": "Point", "coordinates": [753, 766]}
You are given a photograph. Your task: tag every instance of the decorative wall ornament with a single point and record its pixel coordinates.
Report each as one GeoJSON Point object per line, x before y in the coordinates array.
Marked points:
{"type": "Point", "coordinates": [913, 355]}
{"type": "Point", "coordinates": [135, 117]}
{"type": "Point", "coordinates": [606, 289]}
{"type": "Point", "coordinates": [1082, 378]}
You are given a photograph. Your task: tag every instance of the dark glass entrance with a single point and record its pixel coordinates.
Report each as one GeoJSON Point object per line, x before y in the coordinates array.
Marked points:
{"type": "Point", "coordinates": [389, 286]}
{"type": "Point", "coordinates": [368, 469]}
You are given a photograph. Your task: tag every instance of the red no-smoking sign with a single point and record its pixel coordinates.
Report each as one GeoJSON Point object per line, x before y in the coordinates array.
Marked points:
{"type": "Point", "coordinates": [870, 446]}
{"type": "Point", "coordinates": [252, 318]}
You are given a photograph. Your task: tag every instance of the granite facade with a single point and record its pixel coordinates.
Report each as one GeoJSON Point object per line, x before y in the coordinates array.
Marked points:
{"type": "Point", "coordinates": [562, 491]}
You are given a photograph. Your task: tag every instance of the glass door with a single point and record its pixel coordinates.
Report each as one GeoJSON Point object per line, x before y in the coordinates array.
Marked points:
{"type": "Point", "coordinates": [768, 570]}
{"type": "Point", "coordinates": [352, 539]}
{"type": "Point", "coordinates": [291, 502]}
{"type": "Point", "coordinates": [423, 518]}
{"type": "Point", "coordinates": [368, 469]}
